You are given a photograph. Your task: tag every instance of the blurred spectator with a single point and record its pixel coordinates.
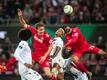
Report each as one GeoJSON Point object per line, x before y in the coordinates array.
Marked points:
{"type": "Point", "coordinates": [27, 12]}
{"type": "Point", "coordinates": [101, 43]}
{"type": "Point", "coordinates": [52, 17]}
{"type": "Point", "coordinates": [85, 11]}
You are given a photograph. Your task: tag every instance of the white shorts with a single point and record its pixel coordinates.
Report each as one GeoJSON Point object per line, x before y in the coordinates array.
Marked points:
{"type": "Point", "coordinates": [58, 60]}
{"type": "Point", "coordinates": [80, 75]}
{"type": "Point", "coordinates": [30, 74]}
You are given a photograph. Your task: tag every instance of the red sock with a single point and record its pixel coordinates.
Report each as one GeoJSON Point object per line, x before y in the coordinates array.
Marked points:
{"type": "Point", "coordinates": [11, 62]}
{"type": "Point", "coordinates": [53, 77]}
{"type": "Point", "coordinates": [82, 67]}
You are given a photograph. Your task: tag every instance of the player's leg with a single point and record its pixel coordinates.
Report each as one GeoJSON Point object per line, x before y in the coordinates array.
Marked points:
{"type": "Point", "coordinates": [76, 63]}
{"type": "Point", "coordinates": [83, 76]}
{"type": "Point", "coordinates": [60, 76]}
{"type": "Point", "coordinates": [32, 75]}
{"type": "Point", "coordinates": [58, 71]}
{"type": "Point", "coordinates": [76, 56]}
{"type": "Point", "coordinates": [46, 68]}
{"type": "Point", "coordinates": [98, 51]}
{"type": "Point", "coordinates": [101, 52]}
{"type": "Point", "coordinates": [23, 78]}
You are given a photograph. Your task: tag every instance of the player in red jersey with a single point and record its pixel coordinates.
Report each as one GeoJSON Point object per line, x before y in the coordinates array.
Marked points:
{"type": "Point", "coordinates": [41, 45]}
{"type": "Point", "coordinates": [79, 45]}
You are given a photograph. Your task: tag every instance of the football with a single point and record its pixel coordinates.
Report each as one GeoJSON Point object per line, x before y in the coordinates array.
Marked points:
{"type": "Point", "coordinates": [68, 9]}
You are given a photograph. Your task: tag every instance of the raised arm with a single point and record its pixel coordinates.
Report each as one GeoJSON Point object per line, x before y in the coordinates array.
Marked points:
{"type": "Point", "coordinates": [21, 18]}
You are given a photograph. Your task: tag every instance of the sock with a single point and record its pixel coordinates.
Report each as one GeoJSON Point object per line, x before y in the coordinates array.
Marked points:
{"type": "Point", "coordinates": [82, 67]}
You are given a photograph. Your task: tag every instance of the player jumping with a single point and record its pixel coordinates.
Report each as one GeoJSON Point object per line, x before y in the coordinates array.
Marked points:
{"type": "Point", "coordinates": [56, 57]}
{"type": "Point", "coordinates": [80, 46]}
{"type": "Point", "coordinates": [41, 45]}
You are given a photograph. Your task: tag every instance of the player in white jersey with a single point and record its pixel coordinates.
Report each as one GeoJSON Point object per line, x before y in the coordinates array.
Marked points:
{"type": "Point", "coordinates": [58, 62]}
{"type": "Point", "coordinates": [24, 57]}
{"type": "Point", "coordinates": [72, 67]}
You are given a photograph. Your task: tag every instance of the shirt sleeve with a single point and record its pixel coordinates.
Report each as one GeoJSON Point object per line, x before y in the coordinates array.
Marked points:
{"type": "Point", "coordinates": [18, 52]}
{"type": "Point", "coordinates": [74, 38]}
{"type": "Point", "coordinates": [32, 29]}
{"type": "Point", "coordinates": [48, 39]}
{"type": "Point", "coordinates": [58, 43]}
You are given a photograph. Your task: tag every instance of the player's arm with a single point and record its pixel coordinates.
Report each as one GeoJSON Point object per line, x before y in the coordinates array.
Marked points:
{"type": "Point", "coordinates": [21, 18]}
{"type": "Point", "coordinates": [48, 42]}
{"type": "Point", "coordinates": [8, 65]}
{"type": "Point", "coordinates": [73, 40]}
{"type": "Point", "coordinates": [57, 49]}
{"type": "Point", "coordinates": [48, 52]}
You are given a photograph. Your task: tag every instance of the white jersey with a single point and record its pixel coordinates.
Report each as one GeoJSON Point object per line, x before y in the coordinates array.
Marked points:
{"type": "Point", "coordinates": [58, 59]}
{"type": "Point", "coordinates": [80, 75]}
{"type": "Point", "coordinates": [57, 42]}
{"type": "Point", "coordinates": [23, 55]}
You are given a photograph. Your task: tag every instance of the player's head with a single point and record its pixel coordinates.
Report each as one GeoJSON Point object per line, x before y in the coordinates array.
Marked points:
{"type": "Point", "coordinates": [40, 28]}
{"type": "Point", "coordinates": [56, 65]}
{"type": "Point", "coordinates": [24, 34]}
{"type": "Point", "coordinates": [67, 30]}
{"type": "Point", "coordinates": [59, 32]}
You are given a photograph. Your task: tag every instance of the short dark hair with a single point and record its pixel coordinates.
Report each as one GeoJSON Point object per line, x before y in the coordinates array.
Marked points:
{"type": "Point", "coordinates": [39, 24]}
{"type": "Point", "coordinates": [24, 34]}
{"type": "Point", "coordinates": [67, 29]}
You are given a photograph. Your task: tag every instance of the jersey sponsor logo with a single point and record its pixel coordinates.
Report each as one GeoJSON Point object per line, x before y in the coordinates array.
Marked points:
{"type": "Point", "coordinates": [20, 47]}
{"type": "Point", "coordinates": [76, 34]}
{"type": "Point", "coordinates": [39, 40]}
{"type": "Point", "coordinates": [47, 35]}
{"type": "Point", "coordinates": [91, 47]}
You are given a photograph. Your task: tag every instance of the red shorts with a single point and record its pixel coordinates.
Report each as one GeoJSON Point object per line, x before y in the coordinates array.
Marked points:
{"type": "Point", "coordinates": [45, 64]}
{"type": "Point", "coordinates": [88, 49]}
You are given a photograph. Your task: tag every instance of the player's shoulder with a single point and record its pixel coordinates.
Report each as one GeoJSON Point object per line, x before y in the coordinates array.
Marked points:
{"type": "Point", "coordinates": [75, 29]}
{"type": "Point", "coordinates": [58, 40]}
{"type": "Point", "coordinates": [29, 27]}
{"type": "Point", "coordinates": [46, 34]}
{"type": "Point", "coordinates": [23, 43]}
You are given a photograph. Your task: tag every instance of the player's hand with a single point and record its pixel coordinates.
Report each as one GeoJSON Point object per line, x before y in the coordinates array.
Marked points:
{"type": "Point", "coordinates": [64, 46]}
{"type": "Point", "coordinates": [42, 59]}
{"type": "Point", "coordinates": [19, 12]}
{"type": "Point", "coordinates": [28, 65]}
{"type": "Point", "coordinates": [3, 68]}
{"type": "Point", "coordinates": [89, 75]}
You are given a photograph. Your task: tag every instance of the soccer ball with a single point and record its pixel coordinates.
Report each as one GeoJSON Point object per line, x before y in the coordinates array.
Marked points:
{"type": "Point", "coordinates": [68, 9]}
{"type": "Point", "coordinates": [54, 71]}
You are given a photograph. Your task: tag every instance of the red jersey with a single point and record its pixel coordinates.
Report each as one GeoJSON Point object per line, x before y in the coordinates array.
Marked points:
{"type": "Point", "coordinates": [40, 42]}
{"type": "Point", "coordinates": [76, 40]}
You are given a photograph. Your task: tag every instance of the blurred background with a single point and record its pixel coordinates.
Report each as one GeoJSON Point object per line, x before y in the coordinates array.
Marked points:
{"type": "Point", "coordinates": [89, 15]}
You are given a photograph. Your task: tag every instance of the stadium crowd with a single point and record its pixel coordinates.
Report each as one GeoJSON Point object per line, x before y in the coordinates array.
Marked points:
{"type": "Point", "coordinates": [51, 11]}
{"type": "Point", "coordinates": [85, 11]}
